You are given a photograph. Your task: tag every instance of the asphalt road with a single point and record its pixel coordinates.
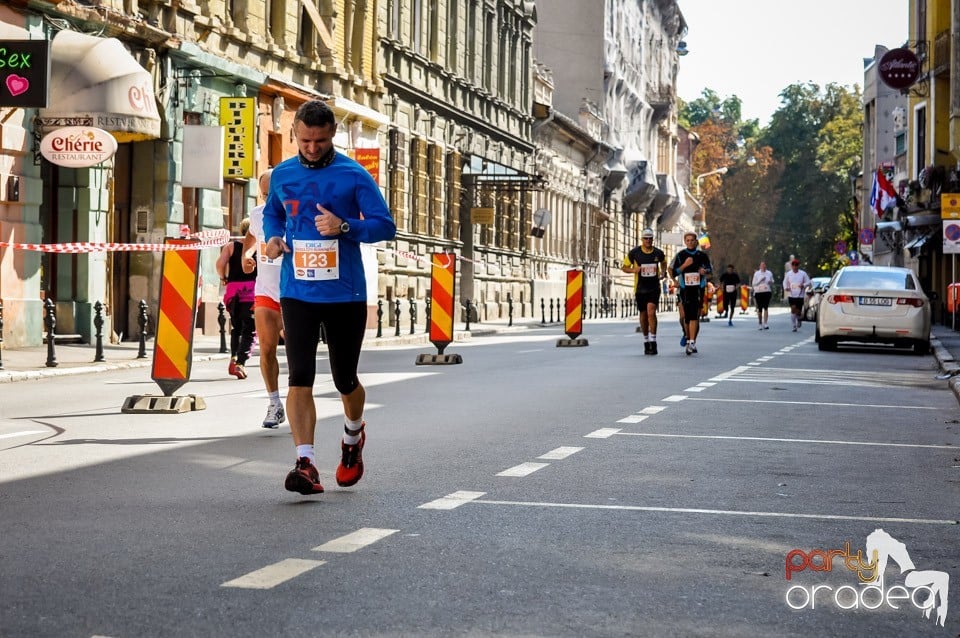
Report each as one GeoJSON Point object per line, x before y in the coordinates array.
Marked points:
{"type": "Point", "coordinates": [529, 491]}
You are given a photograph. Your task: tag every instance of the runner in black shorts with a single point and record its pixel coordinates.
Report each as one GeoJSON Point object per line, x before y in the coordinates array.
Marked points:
{"type": "Point", "coordinates": [691, 267]}
{"type": "Point", "coordinates": [762, 284]}
{"type": "Point", "coordinates": [321, 206]}
{"type": "Point", "coordinates": [649, 266]}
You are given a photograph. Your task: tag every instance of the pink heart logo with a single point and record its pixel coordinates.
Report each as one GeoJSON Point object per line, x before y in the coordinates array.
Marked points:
{"type": "Point", "coordinates": [17, 85]}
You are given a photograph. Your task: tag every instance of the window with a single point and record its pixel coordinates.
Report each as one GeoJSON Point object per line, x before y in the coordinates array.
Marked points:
{"type": "Point", "coordinates": [416, 26]}
{"type": "Point", "coordinates": [233, 202]}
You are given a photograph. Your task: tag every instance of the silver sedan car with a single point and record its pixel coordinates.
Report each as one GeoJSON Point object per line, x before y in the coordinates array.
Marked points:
{"type": "Point", "coordinates": [874, 304]}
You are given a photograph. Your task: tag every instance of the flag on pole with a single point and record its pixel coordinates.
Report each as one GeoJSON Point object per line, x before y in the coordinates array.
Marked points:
{"type": "Point", "coordinates": [882, 195]}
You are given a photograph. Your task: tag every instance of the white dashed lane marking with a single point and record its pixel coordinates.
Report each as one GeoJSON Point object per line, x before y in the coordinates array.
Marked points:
{"type": "Point", "coordinates": [653, 409]}
{"type": "Point", "coordinates": [559, 453]}
{"type": "Point", "coordinates": [674, 398]}
{"type": "Point", "coordinates": [451, 501]}
{"type": "Point", "coordinates": [523, 469]}
{"type": "Point", "coordinates": [355, 540]}
{"type": "Point", "coordinates": [602, 433]}
{"type": "Point", "coordinates": [272, 575]}
{"type": "Point", "coordinates": [633, 418]}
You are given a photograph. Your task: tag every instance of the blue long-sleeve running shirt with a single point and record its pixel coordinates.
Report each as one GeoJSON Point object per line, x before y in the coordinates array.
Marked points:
{"type": "Point", "coordinates": [324, 269]}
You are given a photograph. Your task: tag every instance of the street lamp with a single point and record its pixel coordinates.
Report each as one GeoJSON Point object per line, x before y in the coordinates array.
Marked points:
{"type": "Point", "coordinates": [717, 171]}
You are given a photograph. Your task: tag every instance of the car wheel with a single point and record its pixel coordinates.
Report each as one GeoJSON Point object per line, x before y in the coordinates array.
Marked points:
{"type": "Point", "coordinates": [827, 344]}
{"type": "Point", "coordinates": [921, 347]}
{"type": "Point", "coordinates": [816, 335]}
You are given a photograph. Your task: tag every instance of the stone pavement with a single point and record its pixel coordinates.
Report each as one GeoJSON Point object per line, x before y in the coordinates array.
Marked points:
{"type": "Point", "coordinates": [21, 364]}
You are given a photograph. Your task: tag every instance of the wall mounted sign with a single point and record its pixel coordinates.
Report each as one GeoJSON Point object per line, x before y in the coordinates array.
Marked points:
{"type": "Point", "coordinates": [369, 158]}
{"type": "Point", "coordinates": [78, 146]}
{"type": "Point", "coordinates": [899, 68]}
{"type": "Point", "coordinates": [24, 73]}
{"type": "Point", "coordinates": [238, 117]}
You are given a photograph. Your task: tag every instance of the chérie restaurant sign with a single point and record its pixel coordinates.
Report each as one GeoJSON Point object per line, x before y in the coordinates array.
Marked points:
{"type": "Point", "coordinates": [78, 146]}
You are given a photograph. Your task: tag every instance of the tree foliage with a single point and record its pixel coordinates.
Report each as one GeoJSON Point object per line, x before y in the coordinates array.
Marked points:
{"type": "Point", "coordinates": [797, 196]}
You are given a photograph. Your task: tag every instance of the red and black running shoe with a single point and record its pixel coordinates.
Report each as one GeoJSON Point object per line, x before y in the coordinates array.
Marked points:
{"type": "Point", "coordinates": [303, 478]}
{"type": "Point", "coordinates": [350, 468]}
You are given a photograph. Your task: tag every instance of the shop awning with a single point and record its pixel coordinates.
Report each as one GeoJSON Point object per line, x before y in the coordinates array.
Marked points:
{"type": "Point", "coordinates": [96, 82]}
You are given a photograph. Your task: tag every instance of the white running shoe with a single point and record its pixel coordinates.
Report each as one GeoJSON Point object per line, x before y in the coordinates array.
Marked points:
{"type": "Point", "coordinates": [690, 349]}
{"type": "Point", "coordinates": [275, 416]}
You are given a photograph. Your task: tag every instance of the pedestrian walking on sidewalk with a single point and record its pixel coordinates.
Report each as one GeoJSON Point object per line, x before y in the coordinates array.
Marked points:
{"type": "Point", "coordinates": [238, 299]}
{"type": "Point", "coordinates": [322, 205]}
{"type": "Point", "coordinates": [795, 284]}
{"type": "Point", "coordinates": [266, 306]}
{"type": "Point", "coordinates": [649, 266]}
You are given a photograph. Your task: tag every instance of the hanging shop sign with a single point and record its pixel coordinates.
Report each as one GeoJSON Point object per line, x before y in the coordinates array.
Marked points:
{"type": "Point", "coordinates": [238, 117]}
{"type": "Point", "coordinates": [899, 68]}
{"type": "Point", "coordinates": [78, 146]}
{"type": "Point", "coordinates": [949, 206]}
{"type": "Point", "coordinates": [24, 70]}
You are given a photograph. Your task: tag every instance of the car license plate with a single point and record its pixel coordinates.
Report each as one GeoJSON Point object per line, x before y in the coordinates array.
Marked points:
{"type": "Point", "coordinates": [876, 301]}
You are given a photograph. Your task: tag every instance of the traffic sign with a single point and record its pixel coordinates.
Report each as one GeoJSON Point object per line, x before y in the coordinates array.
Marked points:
{"type": "Point", "coordinates": [867, 236]}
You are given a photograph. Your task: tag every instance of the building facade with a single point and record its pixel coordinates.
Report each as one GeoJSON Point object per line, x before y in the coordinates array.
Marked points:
{"type": "Point", "coordinates": [622, 56]}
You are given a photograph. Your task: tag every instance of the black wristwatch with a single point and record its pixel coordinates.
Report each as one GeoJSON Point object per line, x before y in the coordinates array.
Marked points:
{"type": "Point", "coordinates": [344, 228]}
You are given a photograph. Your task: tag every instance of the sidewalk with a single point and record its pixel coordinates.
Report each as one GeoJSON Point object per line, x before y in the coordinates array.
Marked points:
{"type": "Point", "coordinates": [21, 364]}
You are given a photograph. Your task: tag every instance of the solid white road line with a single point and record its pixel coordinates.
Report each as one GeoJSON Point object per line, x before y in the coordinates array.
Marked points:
{"type": "Point", "coordinates": [820, 404]}
{"type": "Point", "coordinates": [633, 418]}
{"type": "Point", "coordinates": [602, 433]}
{"type": "Point", "coordinates": [11, 435]}
{"type": "Point", "coordinates": [451, 501]}
{"type": "Point", "coordinates": [272, 575]}
{"type": "Point", "coordinates": [355, 540]}
{"type": "Point", "coordinates": [691, 510]}
{"type": "Point", "coordinates": [524, 469]}
{"type": "Point", "coordinates": [559, 453]}
{"type": "Point", "coordinates": [773, 440]}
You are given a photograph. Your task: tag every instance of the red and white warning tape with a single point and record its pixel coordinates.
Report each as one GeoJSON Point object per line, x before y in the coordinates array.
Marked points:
{"type": "Point", "coordinates": [208, 239]}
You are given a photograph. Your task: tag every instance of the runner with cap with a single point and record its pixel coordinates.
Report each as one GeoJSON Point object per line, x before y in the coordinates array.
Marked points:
{"type": "Point", "coordinates": [649, 266]}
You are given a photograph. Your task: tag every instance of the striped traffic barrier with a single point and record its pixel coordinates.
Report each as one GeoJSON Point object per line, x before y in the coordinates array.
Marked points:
{"type": "Point", "coordinates": [442, 278]}
{"type": "Point", "coordinates": [744, 299]}
{"type": "Point", "coordinates": [573, 316]}
{"type": "Point", "coordinates": [173, 347]}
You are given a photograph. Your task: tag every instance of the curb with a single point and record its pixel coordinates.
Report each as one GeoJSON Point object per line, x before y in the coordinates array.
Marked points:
{"type": "Point", "coordinates": [947, 365]}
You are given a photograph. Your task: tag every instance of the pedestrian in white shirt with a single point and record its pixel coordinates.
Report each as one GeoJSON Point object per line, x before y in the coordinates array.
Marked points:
{"type": "Point", "coordinates": [762, 284]}
{"type": "Point", "coordinates": [795, 284]}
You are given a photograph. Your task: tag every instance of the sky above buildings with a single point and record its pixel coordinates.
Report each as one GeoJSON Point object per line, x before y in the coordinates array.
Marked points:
{"type": "Point", "coordinates": [755, 48]}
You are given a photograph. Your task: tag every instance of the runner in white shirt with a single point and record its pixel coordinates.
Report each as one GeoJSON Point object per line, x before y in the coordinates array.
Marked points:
{"type": "Point", "coordinates": [795, 284]}
{"type": "Point", "coordinates": [762, 285]}
{"type": "Point", "coordinates": [266, 307]}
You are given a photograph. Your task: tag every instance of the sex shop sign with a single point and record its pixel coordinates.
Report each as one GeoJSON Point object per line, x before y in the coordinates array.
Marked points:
{"type": "Point", "coordinates": [24, 73]}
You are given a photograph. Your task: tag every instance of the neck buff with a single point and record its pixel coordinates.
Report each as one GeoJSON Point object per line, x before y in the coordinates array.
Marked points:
{"type": "Point", "coordinates": [323, 162]}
